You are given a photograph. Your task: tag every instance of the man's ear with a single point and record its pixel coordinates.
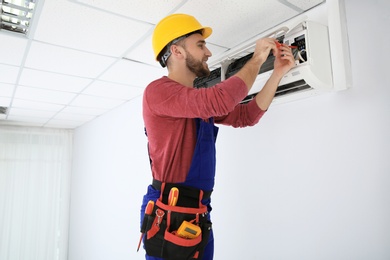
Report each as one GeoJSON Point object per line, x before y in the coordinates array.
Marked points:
{"type": "Point", "coordinates": [177, 50]}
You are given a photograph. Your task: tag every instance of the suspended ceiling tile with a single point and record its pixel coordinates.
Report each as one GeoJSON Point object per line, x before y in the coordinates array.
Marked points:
{"type": "Point", "coordinates": [132, 73]}
{"type": "Point", "coordinates": [84, 110]}
{"type": "Point", "coordinates": [44, 95]}
{"type": "Point", "coordinates": [66, 61]}
{"type": "Point", "coordinates": [12, 49]}
{"type": "Point", "coordinates": [149, 11]}
{"type": "Point", "coordinates": [250, 18]}
{"type": "Point", "coordinates": [144, 52]}
{"type": "Point", "coordinates": [87, 28]}
{"type": "Point", "coordinates": [8, 74]}
{"type": "Point", "coordinates": [5, 101]}
{"type": "Point", "coordinates": [28, 120]}
{"type": "Point", "coordinates": [96, 102]}
{"type": "Point", "coordinates": [53, 81]}
{"type": "Point", "coordinates": [21, 121]}
{"type": "Point", "coordinates": [302, 4]}
{"type": "Point", "coordinates": [31, 113]}
{"type": "Point", "coordinates": [6, 90]}
{"type": "Point", "coordinates": [73, 117]}
{"type": "Point", "coordinates": [54, 123]}
{"type": "Point", "coordinates": [112, 90]}
{"type": "Point", "coordinates": [21, 103]}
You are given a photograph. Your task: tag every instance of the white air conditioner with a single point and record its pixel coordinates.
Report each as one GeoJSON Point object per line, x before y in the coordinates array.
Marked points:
{"type": "Point", "coordinates": [311, 75]}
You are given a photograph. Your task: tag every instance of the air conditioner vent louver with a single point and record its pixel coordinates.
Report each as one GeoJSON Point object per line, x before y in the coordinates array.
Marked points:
{"type": "Point", "coordinates": [211, 80]}
{"type": "Point", "coordinates": [283, 90]}
{"type": "Point", "coordinates": [292, 88]}
{"type": "Point", "coordinates": [235, 66]}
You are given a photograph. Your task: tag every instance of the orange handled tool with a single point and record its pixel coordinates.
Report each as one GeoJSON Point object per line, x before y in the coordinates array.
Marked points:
{"type": "Point", "coordinates": [148, 212]}
{"type": "Point", "coordinates": [173, 196]}
{"type": "Point", "coordinates": [149, 207]}
{"type": "Point", "coordinates": [278, 44]}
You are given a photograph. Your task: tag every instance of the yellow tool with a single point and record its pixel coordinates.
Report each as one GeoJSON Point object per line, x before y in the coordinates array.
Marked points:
{"type": "Point", "coordinates": [188, 230]}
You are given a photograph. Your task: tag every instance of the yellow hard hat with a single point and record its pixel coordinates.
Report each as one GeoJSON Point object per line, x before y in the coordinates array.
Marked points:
{"type": "Point", "coordinates": [174, 26]}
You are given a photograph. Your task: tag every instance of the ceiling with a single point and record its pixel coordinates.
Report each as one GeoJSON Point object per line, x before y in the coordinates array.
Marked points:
{"type": "Point", "coordinates": [83, 58]}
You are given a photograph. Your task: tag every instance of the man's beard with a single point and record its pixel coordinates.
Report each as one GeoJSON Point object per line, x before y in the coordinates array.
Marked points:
{"type": "Point", "coordinates": [196, 66]}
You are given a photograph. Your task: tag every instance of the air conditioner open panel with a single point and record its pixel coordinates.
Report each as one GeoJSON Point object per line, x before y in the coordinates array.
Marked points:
{"type": "Point", "coordinates": [311, 75]}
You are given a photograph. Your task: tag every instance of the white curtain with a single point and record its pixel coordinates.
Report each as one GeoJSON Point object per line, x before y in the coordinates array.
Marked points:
{"type": "Point", "coordinates": [35, 171]}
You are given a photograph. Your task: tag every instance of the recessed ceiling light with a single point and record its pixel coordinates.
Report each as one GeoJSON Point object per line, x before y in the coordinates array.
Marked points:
{"type": "Point", "coordinates": [3, 110]}
{"type": "Point", "coordinates": [16, 15]}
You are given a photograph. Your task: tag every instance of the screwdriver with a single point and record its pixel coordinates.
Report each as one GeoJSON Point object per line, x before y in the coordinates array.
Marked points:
{"type": "Point", "coordinates": [278, 44]}
{"type": "Point", "coordinates": [173, 196]}
{"type": "Point", "coordinates": [148, 212]}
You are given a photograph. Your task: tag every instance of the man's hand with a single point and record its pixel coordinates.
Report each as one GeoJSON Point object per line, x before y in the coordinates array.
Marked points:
{"type": "Point", "coordinates": [263, 48]}
{"type": "Point", "coordinates": [250, 70]}
{"type": "Point", "coordinates": [284, 60]}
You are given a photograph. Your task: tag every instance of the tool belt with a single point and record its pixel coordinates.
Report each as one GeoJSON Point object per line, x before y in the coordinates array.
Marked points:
{"type": "Point", "coordinates": [181, 231]}
{"type": "Point", "coordinates": [157, 185]}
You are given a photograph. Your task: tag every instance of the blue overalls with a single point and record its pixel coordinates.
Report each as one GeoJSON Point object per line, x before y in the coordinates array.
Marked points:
{"type": "Point", "coordinates": [201, 174]}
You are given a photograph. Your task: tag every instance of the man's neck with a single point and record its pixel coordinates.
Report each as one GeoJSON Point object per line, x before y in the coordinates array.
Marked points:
{"type": "Point", "coordinates": [184, 77]}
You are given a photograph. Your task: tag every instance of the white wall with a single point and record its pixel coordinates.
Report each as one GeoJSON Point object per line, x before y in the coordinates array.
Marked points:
{"type": "Point", "coordinates": [310, 182]}
{"type": "Point", "coordinates": [110, 173]}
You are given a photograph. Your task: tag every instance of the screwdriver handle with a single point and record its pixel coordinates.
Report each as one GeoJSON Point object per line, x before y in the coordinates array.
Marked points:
{"type": "Point", "coordinates": [148, 212]}
{"type": "Point", "coordinates": [173, 196]}
{"type": "Point", "coordinates": [149, 207]}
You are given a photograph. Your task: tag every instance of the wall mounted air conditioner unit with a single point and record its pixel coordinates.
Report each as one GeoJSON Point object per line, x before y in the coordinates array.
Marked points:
{"type": "Point", "coordinates": [311, 75]}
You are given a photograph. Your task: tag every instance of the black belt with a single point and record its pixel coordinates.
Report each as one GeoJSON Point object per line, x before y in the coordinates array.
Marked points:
{"type": "Point", "coordinates": [157, 185]}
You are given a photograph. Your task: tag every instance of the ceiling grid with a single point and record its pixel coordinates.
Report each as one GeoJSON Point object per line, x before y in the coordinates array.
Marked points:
{"type": "Point", "coordinates": [94, 55]}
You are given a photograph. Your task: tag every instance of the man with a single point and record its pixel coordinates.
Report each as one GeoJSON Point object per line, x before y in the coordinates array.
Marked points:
{"type": "Point", "coordinates": [179, 123]}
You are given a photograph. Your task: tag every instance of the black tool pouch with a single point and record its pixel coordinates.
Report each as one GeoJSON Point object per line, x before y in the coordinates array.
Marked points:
{"type": "Point", "coordinates": [162, 239]}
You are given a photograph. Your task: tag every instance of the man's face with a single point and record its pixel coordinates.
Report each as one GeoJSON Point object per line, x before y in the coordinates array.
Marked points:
{"type": "Point", "coordinates": [197, 55]}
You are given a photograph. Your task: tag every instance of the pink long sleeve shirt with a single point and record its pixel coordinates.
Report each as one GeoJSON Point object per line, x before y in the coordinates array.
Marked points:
{"type": "Point", "coordinates": [169, 109]}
